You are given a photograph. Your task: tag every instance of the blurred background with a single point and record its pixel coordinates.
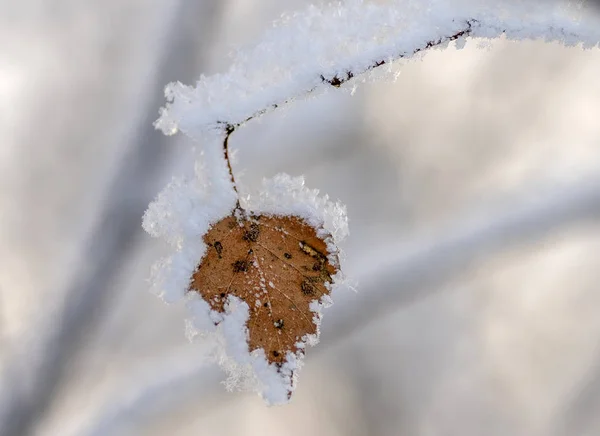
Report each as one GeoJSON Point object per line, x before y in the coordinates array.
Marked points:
{"type": "Point", "coordinates": [466, 330]}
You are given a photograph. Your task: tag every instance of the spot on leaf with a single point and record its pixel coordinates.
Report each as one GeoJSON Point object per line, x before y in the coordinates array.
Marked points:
{"type": "Point", "coordinates": [280, 260]}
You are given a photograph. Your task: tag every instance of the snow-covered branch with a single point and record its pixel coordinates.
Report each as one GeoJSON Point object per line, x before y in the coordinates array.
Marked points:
{"type": "Point", "coordinates": [308, 52]}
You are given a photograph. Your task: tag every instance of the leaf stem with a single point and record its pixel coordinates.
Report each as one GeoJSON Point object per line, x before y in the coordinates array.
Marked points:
{"type": "Point", "coordinates": [229, 129]}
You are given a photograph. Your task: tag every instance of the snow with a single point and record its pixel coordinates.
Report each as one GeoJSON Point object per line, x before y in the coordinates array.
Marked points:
{"type": "Point", "coordinates": [304, 50]}
{"type": "Point", "coordinates": [183, 212]}
{"type": "Point", "coordinates": [247, 370]}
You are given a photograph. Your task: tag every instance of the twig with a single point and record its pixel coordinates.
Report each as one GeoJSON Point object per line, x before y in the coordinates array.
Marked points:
{"type": "Point", "coordinates": [229, 129]}
{"type": "Point", "coordinates": [337, 80]}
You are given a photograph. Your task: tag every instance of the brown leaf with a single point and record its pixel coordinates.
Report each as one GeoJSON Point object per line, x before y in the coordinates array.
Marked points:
{"type": "Point", "coordinates": [278, 266]}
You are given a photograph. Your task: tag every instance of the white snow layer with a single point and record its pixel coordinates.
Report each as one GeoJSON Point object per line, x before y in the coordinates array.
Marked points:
{"type": "Point", "coordinates": [247, 370]}
{"type": "Point", "coordinates": [183, 212]}
{"type": "Point", "coordinates": [304, 49]}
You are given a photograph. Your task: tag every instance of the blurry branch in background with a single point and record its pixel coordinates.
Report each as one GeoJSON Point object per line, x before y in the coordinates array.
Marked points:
{"type": "Point", "coordinates": [153, 385]}
{"type": "Point", "coordinates": [581, 411]}
{"type": "Point", "coordinates": [398, 275]}
{"type": "Point", "coordinates": [109, 246]}
{"type": "Point", "coordinates": [2, 324]}
{"type": "Point", "coordinates": [158, 382]}
{"type": "Point", "coordinates": [594, 4]}
{"type": "Point", "coordinates": [405, 272]}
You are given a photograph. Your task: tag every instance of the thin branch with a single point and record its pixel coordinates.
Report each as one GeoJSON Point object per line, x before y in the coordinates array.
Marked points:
{"type": "Point", "coordinates": [338, 80]}
{"type": "Point", "coordinates": [229, 129]}
{"type": "Point", "coordinates": [580, 411]}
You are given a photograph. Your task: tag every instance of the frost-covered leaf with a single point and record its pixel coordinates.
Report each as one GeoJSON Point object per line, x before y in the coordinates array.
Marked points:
{"type": "Point", "coordinates": [279, 267]}
{"type": "Point", "coordinates": [279, 247]}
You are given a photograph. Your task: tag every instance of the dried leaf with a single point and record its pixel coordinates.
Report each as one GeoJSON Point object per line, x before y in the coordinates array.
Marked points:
{"type": "Point", "coordinates": [278, 266]}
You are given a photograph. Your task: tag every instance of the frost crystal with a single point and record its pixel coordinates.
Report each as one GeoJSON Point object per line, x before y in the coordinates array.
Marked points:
{"type": "Point", "coordinates": [286, 195]}
{"type": "Point", "coordinates": [182, 213]}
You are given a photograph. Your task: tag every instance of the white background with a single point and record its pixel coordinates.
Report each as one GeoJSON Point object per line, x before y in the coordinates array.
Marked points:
{"type": "Point", "coordinates": [504, 343]}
